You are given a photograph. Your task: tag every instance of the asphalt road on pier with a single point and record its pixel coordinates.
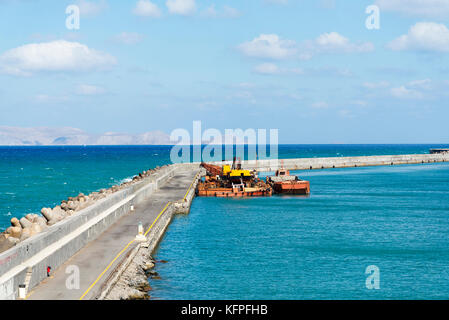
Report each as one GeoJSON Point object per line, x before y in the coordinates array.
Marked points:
{"type": "Point", "coordinates": [98, 260]}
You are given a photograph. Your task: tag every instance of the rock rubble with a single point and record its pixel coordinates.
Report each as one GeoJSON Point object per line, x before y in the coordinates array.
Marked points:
{"type": "Point", "coordinates": [32, 224]}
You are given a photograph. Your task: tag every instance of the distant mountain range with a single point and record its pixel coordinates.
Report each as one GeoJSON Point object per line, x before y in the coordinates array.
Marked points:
{"type": "Point", "coordinates": [40, 136]}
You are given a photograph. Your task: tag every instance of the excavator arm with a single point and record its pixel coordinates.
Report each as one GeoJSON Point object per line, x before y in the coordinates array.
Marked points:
{"type": "Point", "coordinates": [213, 170]}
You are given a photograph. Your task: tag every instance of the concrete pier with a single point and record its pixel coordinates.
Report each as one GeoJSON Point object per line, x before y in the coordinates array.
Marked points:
{"type": "Point", "coordinates": [341, 162]}
{"type": "Point", "coordinates": [93, 242]}
{"type": "Point", "coordinates": [99, 259]}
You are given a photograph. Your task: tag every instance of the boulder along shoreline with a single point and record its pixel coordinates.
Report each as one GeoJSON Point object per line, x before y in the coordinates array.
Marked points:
{"type": "Point", "coordinates": [32, 223]}
{"type": "Point", "coordinates": [133, 283]}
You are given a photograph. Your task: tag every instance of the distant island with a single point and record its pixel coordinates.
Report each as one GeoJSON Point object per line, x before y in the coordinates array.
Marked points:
{"type": "Point", "coordinates": [65, 136]}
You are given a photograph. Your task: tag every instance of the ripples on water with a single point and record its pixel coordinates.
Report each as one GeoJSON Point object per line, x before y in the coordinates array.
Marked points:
{"type": "Point", "coordinates": [36, 177]}
{"type": "Point", "coordinates": [284, 247]}
{"type": "Point", "coordinates": [271, 248]}
{"type": "Point", "coordinates": [43, 176]}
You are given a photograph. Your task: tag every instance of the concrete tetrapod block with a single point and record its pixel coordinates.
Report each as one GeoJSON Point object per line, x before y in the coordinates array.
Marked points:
{"type": "Point", "coordinates": [25, 223]}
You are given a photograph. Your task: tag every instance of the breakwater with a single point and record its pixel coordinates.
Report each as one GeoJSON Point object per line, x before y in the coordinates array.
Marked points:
{"type": "Point", "coordinates": [32, 224]}
{"type": "Point", "coordinates": [340, 162]}
{"type": "Point", "coordinates": [130, 281]}
{"type": "Point", "coordinates": [27, 261]}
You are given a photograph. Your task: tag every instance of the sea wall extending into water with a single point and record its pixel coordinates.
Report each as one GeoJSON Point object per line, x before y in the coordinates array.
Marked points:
{"type": "Point", "coordinates": [26, 262]}
{"type": "Point", "coordinates": [342, 162]}
{"type": "Point", "coordinates": [130, 280]}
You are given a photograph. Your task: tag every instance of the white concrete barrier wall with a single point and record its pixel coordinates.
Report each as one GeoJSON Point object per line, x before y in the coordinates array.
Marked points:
{"type": "Point", "coordinates": [156, 234]}
{"type": "Point", "coordinates": [61, 241]}
{"type": "Point", "coordinates": [340, 162]}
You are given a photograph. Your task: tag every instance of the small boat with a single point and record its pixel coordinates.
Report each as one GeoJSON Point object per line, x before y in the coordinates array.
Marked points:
{"type": "Point", "coordinates": [284, 183]}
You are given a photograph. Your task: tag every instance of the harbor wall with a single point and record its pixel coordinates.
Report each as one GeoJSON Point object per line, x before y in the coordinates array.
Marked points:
{"type": "Point", "coordinates": [61, 241]}
{"type": "Point", "coordinates": [155, 236]}
{"type": "Point", "coordinates": [341, 162]}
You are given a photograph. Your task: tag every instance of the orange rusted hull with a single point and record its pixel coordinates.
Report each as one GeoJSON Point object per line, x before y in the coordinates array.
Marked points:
{"type": "Point", "coordinates": [229, 193]}
{"type": "Point", "coordinates": [231, 182]}
{"type": "Point", "coordinates": [211, 190]}
{"type": "Point", "coordinates": [284, 183]}
{"type": "Point", "coordinates": [292, 187]}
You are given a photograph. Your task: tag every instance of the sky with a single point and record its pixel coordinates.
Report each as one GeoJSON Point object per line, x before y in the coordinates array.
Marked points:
{"type": "Point", "coordinates": [310, 68]}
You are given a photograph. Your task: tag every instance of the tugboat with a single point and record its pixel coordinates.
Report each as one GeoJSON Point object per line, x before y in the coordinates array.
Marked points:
{"type": "Point", "coordinates": [227, 181]}
{"type": "Point", "coordinates": [284, 183]}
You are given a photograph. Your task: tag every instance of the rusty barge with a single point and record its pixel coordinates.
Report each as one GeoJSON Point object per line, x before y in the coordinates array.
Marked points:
{"type": "Point", "coordinates": [284, 183]}
{"type": "Point", "coordinates": [231, 181]}
{"type": "Point", "coordinates": [227, 181]}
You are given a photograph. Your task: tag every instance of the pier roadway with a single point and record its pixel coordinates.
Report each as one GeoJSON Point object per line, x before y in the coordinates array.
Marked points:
{"type": "Point", "coordinates": [97, 261]}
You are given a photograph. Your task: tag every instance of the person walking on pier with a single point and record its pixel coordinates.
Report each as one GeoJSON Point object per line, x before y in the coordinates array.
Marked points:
{"type": "Point", "coordinates": [48, 271]}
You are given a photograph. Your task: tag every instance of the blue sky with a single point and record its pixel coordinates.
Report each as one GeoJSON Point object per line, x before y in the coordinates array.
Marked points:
{"type": "Point", "coordinates": [308, 68]}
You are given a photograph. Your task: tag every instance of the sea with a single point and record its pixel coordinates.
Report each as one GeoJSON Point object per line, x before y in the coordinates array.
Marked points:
{"type": "Point", "coordinates": [363, 233]}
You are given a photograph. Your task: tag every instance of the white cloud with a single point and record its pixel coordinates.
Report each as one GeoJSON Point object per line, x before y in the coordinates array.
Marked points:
{"type": "Point", "coordinates": [271, 68]}
{"type": "Point", "coordinates": [225, 12]}
{"type": "Point", "coordinates": [328, 4]}
{"type": "Point", "coordinates": [146, 8]}
{"type": "Point", "coordinates": [360, 103]}
{"type": "Point", "coordinates": [328, 72]}
{"type": "Point", "coordinates": [418, 89]}
{"type": "Point", "coordinates": [320, 105]}
{"type": "Point", "coordinates": [296, 71]}
{"type": "Point", "coordinates": [45, 98]}
{"type": "Point", "coordinates": [267, 68]}
{"type": "Point", "coordinates": [404, 93]}
{"type": "Point", "coordinates": [277, 1]}
{"type": "Point", "coordinates": [273, 47]}
{"type": "Point", "coordinates": [334, 42]}
{"type": "Point", "coordinates": [55, 56]}
{"type": "Point", "coordinates": [269, 46]}
{"type": "Point", "coordinates": [421, 84]}
{"type": "Point", "coordinates": [210, 12]}
{"type": "Point", "coordinates": [424, 8]}
{"type": "Point", "coordinates": [345, 113]}
{"type": "Point", "coordinates": [230, 12]}
{"type": "Point", "coordinates": [423, 36]}
{"type": "Point", "coordinates": [245, 85]}
{"type": "Point", "coordinates": [182, 7]}
{"type": "Point", "coordinates": [128, 37]}
{"type": "Point", "coordinates": [91, 8]}
{"type": "Point", "coordinates": [89, 90]}
{"type": "Point", "coordinates": [376, 85]}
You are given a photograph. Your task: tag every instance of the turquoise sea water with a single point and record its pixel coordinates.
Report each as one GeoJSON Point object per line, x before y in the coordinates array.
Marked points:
{"type": "Point", "coordinates": [36, 177]}
{"type": "Point", "coordinates": [317, 247]}
{"type": "Point", "coordinates": [284, 247]}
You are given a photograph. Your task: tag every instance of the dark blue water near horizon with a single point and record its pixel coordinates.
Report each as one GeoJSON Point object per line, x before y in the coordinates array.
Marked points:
{"type": "Point", "coordinates": [318, 247]}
